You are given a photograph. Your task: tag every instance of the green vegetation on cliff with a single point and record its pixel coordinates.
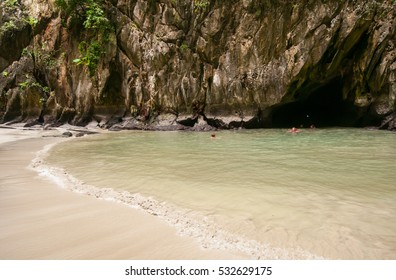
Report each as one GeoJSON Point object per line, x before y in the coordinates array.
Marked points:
{"type": "Point", "coordinates": [91, 17]}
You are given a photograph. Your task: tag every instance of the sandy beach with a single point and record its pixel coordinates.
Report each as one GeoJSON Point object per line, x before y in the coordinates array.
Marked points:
{"type": "Point", "coordinates": [40, 220]}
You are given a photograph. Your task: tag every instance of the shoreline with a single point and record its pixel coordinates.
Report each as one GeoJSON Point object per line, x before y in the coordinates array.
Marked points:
{"type": "Point", "coordinates": [40, 220]}
{"type": "Point", "coordinates": [208, 234]}
{"type": "Point", "coordinates": [203, 231]}
{"type": "Point", "coordinates": [30, 189]}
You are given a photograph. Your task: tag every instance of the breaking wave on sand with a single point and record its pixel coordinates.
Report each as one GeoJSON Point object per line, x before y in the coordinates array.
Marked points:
{"type": "Point", "coordinates": [187, 222]}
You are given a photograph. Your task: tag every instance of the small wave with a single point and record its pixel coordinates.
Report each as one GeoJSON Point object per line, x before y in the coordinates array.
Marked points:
{"type": "Point", "coordinates": [187, 222]}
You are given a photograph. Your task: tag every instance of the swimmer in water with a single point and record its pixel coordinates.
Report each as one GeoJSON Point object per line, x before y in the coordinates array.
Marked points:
{"type": "Point", "coordinates": [294, 130]}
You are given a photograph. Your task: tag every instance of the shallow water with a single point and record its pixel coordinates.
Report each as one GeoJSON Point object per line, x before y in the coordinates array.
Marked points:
{"type": "Point", "coordinates": [327, 193]}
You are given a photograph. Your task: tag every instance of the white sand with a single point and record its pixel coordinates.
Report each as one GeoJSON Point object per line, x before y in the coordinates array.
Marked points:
{"type": "Point", "coordinates": [39, 220]}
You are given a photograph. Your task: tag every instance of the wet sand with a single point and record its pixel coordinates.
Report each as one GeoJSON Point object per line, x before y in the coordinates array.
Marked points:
{"type": "Point", "coordinates": [40, 220]}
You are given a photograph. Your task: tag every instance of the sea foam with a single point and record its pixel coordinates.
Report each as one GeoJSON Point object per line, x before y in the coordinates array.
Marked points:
{"type": "Point", "coordinates": [187, 223]}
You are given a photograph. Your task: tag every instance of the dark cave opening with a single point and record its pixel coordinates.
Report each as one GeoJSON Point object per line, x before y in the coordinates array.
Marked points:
{"type": "Point", "coordinates": [324, 106]}
{"type": "Point", "coordinates": [111, 94]}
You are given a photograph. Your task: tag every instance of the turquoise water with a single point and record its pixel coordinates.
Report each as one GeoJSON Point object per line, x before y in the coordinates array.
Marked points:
{"type": "Point", "coordinates": [327, 193]}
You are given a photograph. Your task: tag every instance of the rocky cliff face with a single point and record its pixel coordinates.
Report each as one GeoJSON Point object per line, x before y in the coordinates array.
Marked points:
{"type": "Point", "coordinates": [202, 64]}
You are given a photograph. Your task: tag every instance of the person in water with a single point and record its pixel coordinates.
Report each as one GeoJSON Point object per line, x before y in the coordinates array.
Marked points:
{"type": "Point", "coordinates": [294, 130]}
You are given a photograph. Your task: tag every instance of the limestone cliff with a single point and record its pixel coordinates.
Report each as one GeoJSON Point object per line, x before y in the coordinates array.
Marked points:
{"type": "Point", "coordinates": [201, 63]}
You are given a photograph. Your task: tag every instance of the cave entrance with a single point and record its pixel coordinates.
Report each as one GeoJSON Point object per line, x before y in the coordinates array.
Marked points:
{"type": "Point", "coordinates": [324, 106]}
